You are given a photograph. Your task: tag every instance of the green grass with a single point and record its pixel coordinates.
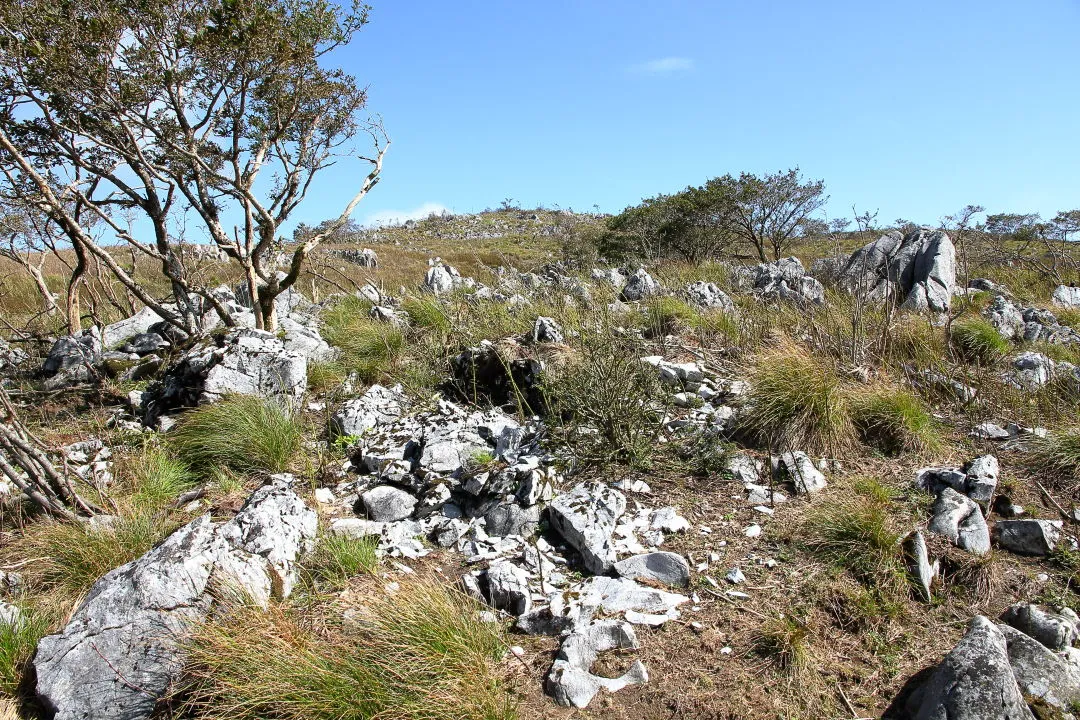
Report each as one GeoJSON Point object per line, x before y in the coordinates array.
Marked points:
{"type": "Point", "coordinates": [976, 340]}
{"type": "Point", "coordinates": [427, 313]}
{"type": "Point", "coordinates": [858, 531]}
{"type": "Point", "coordinates": [158, 478]}
{"type": "Point", "coordinates": [324, 376]}
{"type": "Point", "coordinates": [337, 558]}
{"type": "Point", "coordinates": [796, 402]}
{"type": "Point", "coordinates": [419, 654]}
{"type": "Point", "coordinates": [1058, 457]}
{"type": "Point", "coordinates": [786, 641]}
{"type": "Point", "coordinates": [18, 642]}
{"type": "Point", "coordinates": [711, 324]}
{"type": "Point", "coordinates": [73, 556]}
{"type": "Point", "coordinates": [894, 421]}
{"type": "Point", "coordinates": [366, 347]}
{"type": "Point", "coordinates": [240, 433]}
{"type": "Point", "coordinates": [1069, 317]}
{"type": "Point", "coordinates": [667, 316]}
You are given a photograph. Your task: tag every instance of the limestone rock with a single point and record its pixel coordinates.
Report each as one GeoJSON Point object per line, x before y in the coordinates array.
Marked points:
{"type": "Point", "coordinates": [388, 504]}
{"type": "Point", "coordinates": [377, 406]}
{"type": "Point", "coordinates": [569, 681]}
{"type": "Point", "coordinates": [958, 518]}
{"type": "Point", "coordinates": [586, 517]}
{"type": "Point", "coordinates": [666, 567]}
{"type": "Point", "coordinates": [1028, 537]}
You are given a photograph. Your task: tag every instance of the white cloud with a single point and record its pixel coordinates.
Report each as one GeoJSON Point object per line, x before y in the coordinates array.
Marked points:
{"type": "Point", "coordinates": [394, 217]}
{"type": "Point", "coordinates": [663, 66]}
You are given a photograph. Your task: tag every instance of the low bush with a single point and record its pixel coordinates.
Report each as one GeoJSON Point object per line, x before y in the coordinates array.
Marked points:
{"type": "Point", "coordinates": [894, 421]}
{"type": "Point", "coordinates": [240, 433]}
{"type": "Point", "coordinates": [796, 402]}
{"type": "Point", "coordinates": [422, 653]}
{"type": "Point", "coordinates": [976, 340]}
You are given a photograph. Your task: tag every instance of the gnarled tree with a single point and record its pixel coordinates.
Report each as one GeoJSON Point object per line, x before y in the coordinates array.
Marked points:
{"type": "Point", "coordinates": [216, 114]}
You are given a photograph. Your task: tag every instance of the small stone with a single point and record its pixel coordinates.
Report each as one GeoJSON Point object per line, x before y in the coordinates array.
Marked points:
{"type": "Point", "coordinates": [752, 531]}
{"type": "Point", "coordinates": [735, 576]}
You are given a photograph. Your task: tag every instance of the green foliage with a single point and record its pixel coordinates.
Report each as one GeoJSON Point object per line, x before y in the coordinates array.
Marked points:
{"type": "Point", "coordinates": [420, 653]}
{"type": "Point", "coordinates": [18, 641]}
{"type": "Point", "coordinates": [1059, 454]}
{"type": "Point", "coordinates": [976, 340]}
{"type": "Point", "coordinates": [241, 433]}
{"type": "Point", "coordinates": [324, 376]}
{"type": "Point", "coordinates": [796, 402]}
{"type": "Point", "coordinates": [367, 347]}
{"type": "Point", "coordinates": [73, 556]}
{"type": "Point", "coordinates": [859, 532]}
{"type": "Point", "coordinates": [427, 313]}
{"type": "Point", "coordinates": [710, 324]}
{"type": "Point", "coordinates": [606, 404]}
{"type": "Point", "coordinates": [158, 477]}
{"type": "Point", "coordinates": [667, 316]}
{"type": "Point", "coordinates": [786, 641]}
{"type": "Point", "coordinates": [894, 421]}
{"type": "Point", "coordinates": [338, 558]}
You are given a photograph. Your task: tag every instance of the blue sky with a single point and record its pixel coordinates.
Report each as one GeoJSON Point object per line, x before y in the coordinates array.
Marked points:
{"type": "Point", "coordinates": [913, 108]}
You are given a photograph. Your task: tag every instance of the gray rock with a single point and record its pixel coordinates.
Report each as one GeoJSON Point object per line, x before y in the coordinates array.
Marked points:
{"type": "Point", "coordinates": [1031, 370]}
{"type": "Point", "coordinates": [138, 324]}
{"type": "Point", "coordinates": [639, 286]}
{"type": "Point", "coordinates": [388, 504]}
{"type": "Point", "coordinates": [919, 266]}
{"type": "Point", "coordinates": [786, 279]}
{"type": "Point", "coordinates": [1052, 629]}
{"type": "Point", "coordinates": [73, 352]}
{"type": "Point", "coordinates": [144, 344]}
{"type": "Point", "coordinates": [990, 431]}
{"type": "Point", "coordinates": [742, 468]}
{"type": "Point", "coordinates": [586, 517]}
{"type": "Point", "coordinates": [985, 285]}
{"type": "Point", "coordinates": [10, 358]}
{"type": "Point", "coordinates": [508, 588]}
{"type": "Point", "coordinates": [569, 682]}
{"type": "Point", "coordinates": [10, 614]}
{"type": "Point", "coordinates": [666, 567]}
{"type": "Point", "coordinates": [621, 595]}
{"type": "Point", "coordinates": [708, 296]}
{"type": "Point", "coordinates": [364, 258]}
{"type": "Point", "coordinates": [1066, 296]}
{"type": "Point", "coordinates": [1041, 673]}
{"type": "Point", "coordinates": [1028, 537]}
{"type": "Point", "coordinates": [512, 519]}
{"type": "Point", "coordinates": [922, 571]}
{"type": "Point", "coordinates": [981, 480]}
{"type": "Point", "coordinates": [798, 469]}
{"type": "Point", "coordinates": [973, 682]}
{"type": "Point", "coordinates": [122, 642]}
{"type": "Point", "coordinates": [958, 518]}
{"type": "Point", "coordinates": [441, 279]}
{"type": "Point", "coordinates": [377, 406]}
{"type": "Point", "coordinates": [1006, 318]}
{"type": "Point", "coordinates": [546, 330]}
{"type": "Point", "coordinates": [544, 622]}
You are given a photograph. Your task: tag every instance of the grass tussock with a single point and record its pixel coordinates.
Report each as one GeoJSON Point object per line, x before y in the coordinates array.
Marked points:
{"type": "Point", "coordinates": [420, 654]}
{"type": "Point", "coordinates": [18, 641]}
{"type": "Point", "coordinates": [1059, 453]}
{"type": "Point", "coordinates": [667, 316]}
{"type": "Point", "coordinates": [157, 478]}
{"type": "Point", "coordinates": [338, 558]}
{"type": "Point", "coordinates": [74, 555]}
{"type": "Point", "coordinates": [427, 313]}
{"type": "Point", "coordinates": [797, 402]}
{"type": "Point", "coordinates": [366, 347]}
{"type": "Point", "coordinates": [894, 421]}
{"type": "Point", "coordinates": [976, 340]}
{"type": "Point", "coordinates": [859, 532]}
{"type": "Point", "coordinates": [240, 433]}
{"type": "Point", "coordinates": [786, 641]}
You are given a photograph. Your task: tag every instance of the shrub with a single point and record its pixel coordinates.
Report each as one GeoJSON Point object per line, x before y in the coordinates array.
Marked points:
{"type": "Point", "coordinates": [158, 477]}
{"type": "Point", "coordinates": [74, 555]}
{"type": "Point", "coordinates": [606, 404]}
{"type": "Point", "coordinates": [976, 340]}
{"type": "Point", "coordinates": [240, 433]}
{"type": "Point", "coordinates": [420, 653]}
{"type": "Point", "coordinates": [18, 641]}
{"type": "Point", "coordinates": [338, 558]}
{"type": "Point", "coordinates": [894, 421]}
{"type": "Point", "coordinates": [796, 401]}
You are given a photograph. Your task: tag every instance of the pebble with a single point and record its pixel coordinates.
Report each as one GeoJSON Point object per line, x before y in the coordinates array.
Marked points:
{"type": "Point", "coordinates": [753, 531]}
{"type": "Point", "coordinates": [735, 576]}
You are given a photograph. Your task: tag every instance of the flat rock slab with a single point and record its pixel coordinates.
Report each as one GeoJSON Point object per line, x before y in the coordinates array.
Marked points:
{"type": "Point", "coordinates": [586, 517]}
{"type": "Point", "coordinates": [666, 567]}
{"type": "Point", "coordinates": [1028, 537]}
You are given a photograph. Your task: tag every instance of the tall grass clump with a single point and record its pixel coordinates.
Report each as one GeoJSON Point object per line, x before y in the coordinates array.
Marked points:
{"type": "Point", "coordinates": [18, 641]}
{"type": "Point", "coordinates": [894, 421]}
{"type": "Point", "coordinates": [797, 402]}
{"type": "Point", "coordinates": [74, 555]}
{"type": "Point", "coordinates": [859, 532]}
{"type": "Point", "coordinates": [240, 433]}
{"type": "Point", "coordinates": [976, 340]}
{"type": "Point", "coordinates": [1059, 453]}
{"type": "Point", "coordinates": [366, 347]}
{"type": "Point", "coordinates": [338, 558]}
{"type": "Point", "coordinates": [427, 313]}
{"type": "Point", "coordinates": [667, 316]}
{"type": "Point", "coordinates": [786, 641]}
{"type": "Point", "coordinates": [157, 477]}
{"type": "Point", "coordinates": [420, 654]}
{"type": "Point", "coordinates": [913, 339]}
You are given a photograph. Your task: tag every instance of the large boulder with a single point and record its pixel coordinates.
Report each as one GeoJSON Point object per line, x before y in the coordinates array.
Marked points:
{"type": "Point", "coordinates": [973, 682]}
{"type": "Point", "coordinates": [73, 353]}
{"type": "Point", "coordinates": [119, 652]}
{"type": "Point", "coordinates": [586, 517]}
{"type": "Point", "coordinates": [1052, 677]}
{"type": "Point", "coordinates": [786, 280]}
{"type": "Point", "coordinates": [1066, 296]}
{"type": "Point", "coordinates": [639, 286]}
{"type": "Point", "coordinates": [242, 361]}
{"type": "Point", "coordinates": [139, 323]}
{"type": "Point", "coordinates": [919, 267]}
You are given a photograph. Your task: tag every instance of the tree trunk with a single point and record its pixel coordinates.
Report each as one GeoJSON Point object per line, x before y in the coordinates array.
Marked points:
{"type": "Point", "coordinates": [47, 297]}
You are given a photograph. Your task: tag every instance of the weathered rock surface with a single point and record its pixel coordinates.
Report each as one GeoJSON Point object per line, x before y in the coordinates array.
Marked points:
{"type": "Point", "coordinates": [973, 682]}
{"type": "Point", "coordinates": [666, 567]}
{"type": "Point", "coordinates": [1066, 296]}
{"type": "Point", "coordinates": [118, 653]}
{"type": "Point", "coordinates": [919, 565]}
{"type": "Point", "coordinates": [919, 267]}
{"type": "Point", "coordinates": [708, 296]}
{"type": "Point", "coordinates": [70, 356]}
{"type": "Point", "coordinates": [1028, 537]}
{"type": "Point", "coordinates": [1054, 630]}
{"type": "Point", "coordinates": [569, 681]}
{"type": "Point", "coordinates": [958, 518]}
{"type": "Point", "coordinates": [388, 504]}
{"type": "Point", "coordinates": [639, 286]}
{"type": "Point", "coordinates": [798, 469]}
{"type": "Point", "coordinates": [1041, 673]}
{"type": "Point", "coordinates": [586, 518]}
{"type": "Point", "coordinates": [377, 406]}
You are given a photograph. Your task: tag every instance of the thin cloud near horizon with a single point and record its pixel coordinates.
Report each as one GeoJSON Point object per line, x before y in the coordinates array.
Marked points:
{"type": "Point", "coordinates": [663, 66]}
{"type": "Point", "coordinates": [392, 217]}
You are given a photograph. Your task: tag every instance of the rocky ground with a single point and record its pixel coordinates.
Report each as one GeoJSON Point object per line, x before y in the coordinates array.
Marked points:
{"type": "Point", "coordinates": [722, 491]}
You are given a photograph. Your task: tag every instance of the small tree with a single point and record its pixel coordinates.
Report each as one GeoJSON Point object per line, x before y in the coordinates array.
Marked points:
{"type": "Point", "coordinates": [961, 227]}
{"type": "Point", "coordinates": [217, 112]}
{"type": "Point", "coordinates": [770, 212]}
